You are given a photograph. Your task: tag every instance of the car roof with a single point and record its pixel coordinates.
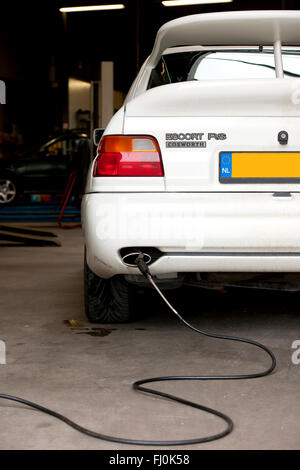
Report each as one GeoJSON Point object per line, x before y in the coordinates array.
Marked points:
{"type": "Point", "coordinates": [71, 134]}
{"type": "Point", "coordinates": [249, 28]}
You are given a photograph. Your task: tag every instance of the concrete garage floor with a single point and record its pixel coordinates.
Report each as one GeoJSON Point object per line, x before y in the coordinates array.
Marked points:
{"type": "Point", "coordinates": [88, 377]}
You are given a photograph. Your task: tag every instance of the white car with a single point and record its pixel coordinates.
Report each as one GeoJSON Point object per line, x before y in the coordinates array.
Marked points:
{"type": "Point", "coordinates": [200, 169]}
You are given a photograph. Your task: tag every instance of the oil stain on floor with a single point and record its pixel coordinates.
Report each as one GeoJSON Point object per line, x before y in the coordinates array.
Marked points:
{"type": "Point", "coordinates": [81, 329]}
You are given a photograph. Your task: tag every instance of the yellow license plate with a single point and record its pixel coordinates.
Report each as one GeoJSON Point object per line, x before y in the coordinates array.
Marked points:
{"type": "Point", "coordinates": [259, 167]}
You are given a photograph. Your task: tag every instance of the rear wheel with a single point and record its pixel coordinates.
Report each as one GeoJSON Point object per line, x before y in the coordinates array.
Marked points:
{"type": "Point", "coordinates": [107, 300]}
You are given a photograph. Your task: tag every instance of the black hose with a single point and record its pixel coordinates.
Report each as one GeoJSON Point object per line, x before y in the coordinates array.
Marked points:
{"type": "Point", "coordinates": [139, 386]}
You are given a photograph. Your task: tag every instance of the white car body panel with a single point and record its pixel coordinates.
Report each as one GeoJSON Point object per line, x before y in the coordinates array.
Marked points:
{"type": "Point", "coordinates": [251, 232]}
{"type": "Point", "coordinates": [199, 223]}
{"type": "Point", "coordinates": [228, 98]}
{"type": "Point", "coordinates": [198, 169]}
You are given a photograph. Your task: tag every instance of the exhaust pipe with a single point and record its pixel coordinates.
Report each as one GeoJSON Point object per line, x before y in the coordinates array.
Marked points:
{"type": "Point", "coordinates": [129, 254]}
{"type": "Point", "coordinates": [129, 258]}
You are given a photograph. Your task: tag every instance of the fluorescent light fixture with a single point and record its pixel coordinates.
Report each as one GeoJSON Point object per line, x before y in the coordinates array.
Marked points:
{"type": "Point", "coordinates": [117, 6]}
{"type": "Point", "coordinates": [178, 3]}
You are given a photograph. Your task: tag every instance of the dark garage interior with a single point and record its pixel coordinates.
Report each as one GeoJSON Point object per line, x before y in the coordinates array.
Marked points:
{"type": "Point", "coordinates": [66, 74]}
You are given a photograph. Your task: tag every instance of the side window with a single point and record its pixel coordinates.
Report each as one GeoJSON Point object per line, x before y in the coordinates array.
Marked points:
{"type": "Point", "coordinates": [62, 148]}
{"type": "Point", "coordinates": [173, 68]}
{"type": "Point", "coordinates": [159, 75]}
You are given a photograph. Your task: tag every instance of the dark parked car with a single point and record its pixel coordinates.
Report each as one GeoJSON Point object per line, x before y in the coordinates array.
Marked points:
{"type": "Point", "coordinates": [46, 169]}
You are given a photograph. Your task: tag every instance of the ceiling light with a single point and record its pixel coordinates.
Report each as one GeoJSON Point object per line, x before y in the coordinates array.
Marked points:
{"type": "Point", "coordinates": [177, 3]}
{"type": "Point", "coordinates": [118, 6]}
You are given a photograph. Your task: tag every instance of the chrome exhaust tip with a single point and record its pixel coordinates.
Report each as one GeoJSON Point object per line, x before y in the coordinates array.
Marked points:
{"type": "Point", "coordinates": [129, 258]}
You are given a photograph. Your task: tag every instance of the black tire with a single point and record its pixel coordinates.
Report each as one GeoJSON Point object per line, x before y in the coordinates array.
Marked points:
{"type": "Point", "coordinates": [107, 300]}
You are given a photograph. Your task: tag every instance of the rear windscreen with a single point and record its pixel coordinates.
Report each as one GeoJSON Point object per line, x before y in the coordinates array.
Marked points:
{"type": "Point", "coordinates": [222, 65]}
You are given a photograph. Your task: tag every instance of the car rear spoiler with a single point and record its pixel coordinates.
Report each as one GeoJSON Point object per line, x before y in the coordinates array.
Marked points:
{"type": "Point", "coordinates": [240, 28]}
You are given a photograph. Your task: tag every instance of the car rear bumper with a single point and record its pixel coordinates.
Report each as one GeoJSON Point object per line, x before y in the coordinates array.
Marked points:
{"type": "Point", "coordinates": [195, 232]}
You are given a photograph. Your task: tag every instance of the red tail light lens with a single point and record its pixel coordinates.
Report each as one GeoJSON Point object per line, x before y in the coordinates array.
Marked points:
{"type": "Point", "coordinates": [128, 156]}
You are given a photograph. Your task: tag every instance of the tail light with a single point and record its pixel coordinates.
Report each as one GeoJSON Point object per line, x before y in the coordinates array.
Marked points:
{"type": "Point", "coordinates": [126, 155]}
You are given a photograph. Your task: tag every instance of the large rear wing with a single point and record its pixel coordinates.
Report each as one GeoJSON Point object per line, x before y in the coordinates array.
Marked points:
{"type": "Point", "coordinates": [240, 28]}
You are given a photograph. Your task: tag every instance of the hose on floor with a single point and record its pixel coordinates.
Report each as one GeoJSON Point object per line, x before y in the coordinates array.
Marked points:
{"type": "Point", "coordinates": [139, 386]}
